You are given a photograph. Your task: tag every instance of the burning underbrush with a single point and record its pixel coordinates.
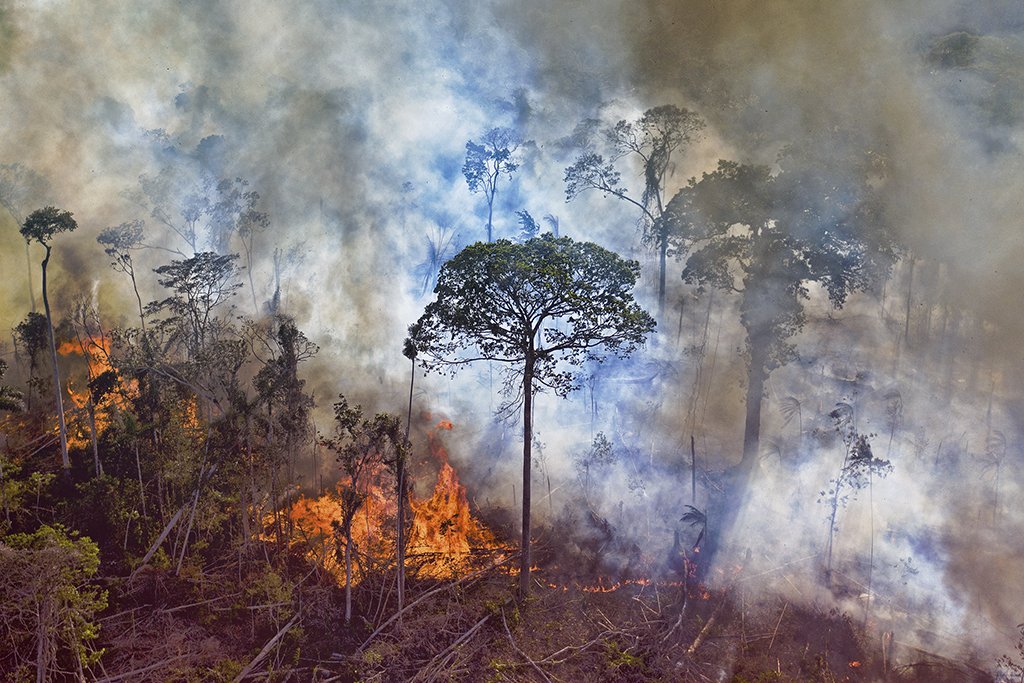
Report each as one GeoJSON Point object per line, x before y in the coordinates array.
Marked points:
{"type": "Point", "coordinates": [444, 538]}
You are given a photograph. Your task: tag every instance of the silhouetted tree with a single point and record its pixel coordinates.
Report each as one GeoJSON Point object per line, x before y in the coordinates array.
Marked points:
{"type": "Point", "coordinates": [766, 237]}
{"type": "Point", "coordinates": [652, 139]}
{"type": "Point", "coordinates": [199, 284]}
{"type": "Point", "coordinates": [41, 226]}
{"type": "Point", "coordinates": [486, 162]}
{"type": "Point", "coordinates": [542, 307]}
{"type": "Point", "coordinates": [118, 243]}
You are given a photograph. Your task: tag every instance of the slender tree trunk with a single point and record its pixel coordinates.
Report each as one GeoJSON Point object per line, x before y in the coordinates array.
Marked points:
{"type": "Point", "coordinates": [138, 297]}
{"type": "Point", "coordinates": [693, 471]}
{"type": "Point", "coordinates": [94, 438]}
{"type": "Point", "coordinates": [662, 257]}
{"type": "Point", "coordinates": [756, 375]}
{"type": "Point", "coordinates": [490, 211]}
{"type": "Point", "coordinates": [28, 262]}
{"type": "Point", "coordinates": [142, 487]}
{"type": "Point", "coordinates": [348, 573]}
{"type": "Point", "coordinates": [524, 561]}
{"type": "Point", "coordinates": [910, 293]}
{"type": "Point", "coordinates": [65, 460]}
{"type": "Point", "coordinates": [401, 497]}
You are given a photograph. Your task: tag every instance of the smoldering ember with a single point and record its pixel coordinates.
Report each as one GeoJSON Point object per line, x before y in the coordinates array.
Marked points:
{"type": "Point", "coordinates": [462, 341]}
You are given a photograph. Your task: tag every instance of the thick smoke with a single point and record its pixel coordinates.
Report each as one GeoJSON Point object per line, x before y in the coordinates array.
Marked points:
{"type": "Point", "coordinates": [351, 121]}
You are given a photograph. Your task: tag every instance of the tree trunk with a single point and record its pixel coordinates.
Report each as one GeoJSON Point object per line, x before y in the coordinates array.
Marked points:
{"type": "Point", "coordinates": [28, 261]}
{"type": "Point", "coordinates": [756, 375]}
{"type": "Point", "coordinates": [94, 438]}
{"type": "Point", "coordinates": [348, 573]}
{"type": "Point", "coordinates": [662, 257]}
{"type": "Point", "coordinates": [524, 560]}
{"type": "Point", "coordinates": [400, 476]}
{"type": "Point", "coordinates": [65, 460]}
{"type": "Point", "coordinates": [490, 211]}
{"type": "Point", "coordinates": [138, 297]}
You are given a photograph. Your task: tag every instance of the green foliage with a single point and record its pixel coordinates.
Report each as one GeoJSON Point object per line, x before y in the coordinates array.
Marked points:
{"type": "Point", "coordinates": [622, 660]}
{"type": "Point", "coordinates": [10, 398]}
{"type": "Point", "coordinates": [552, 300]}
{"type": "Point", "coordinates": [42, 224]}
{"type": "Point", "coordinates": [50, 607]}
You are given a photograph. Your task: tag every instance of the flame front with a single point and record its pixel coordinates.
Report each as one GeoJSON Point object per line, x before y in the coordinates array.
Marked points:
{"type": "Point", "coordinates": [444, 537]}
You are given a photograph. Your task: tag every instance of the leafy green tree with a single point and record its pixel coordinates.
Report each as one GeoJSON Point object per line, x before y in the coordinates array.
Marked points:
{"type": "Point", "coordinates": [41, 226]}
{"type": "Point", "coordinates": [49, 607]}
{"type": "Point", "coordinates": [486, 162]}
{"type": "Point", "coordinates": [10, 398]}
{"type": "Point", "coordinates": [362, 446]}
{"type": "Point", "coordinates": [541, 307]}
{"type": "Point", "coordinates": [766, 237]}
{"type": "Point", "coordinates": [652, 140]}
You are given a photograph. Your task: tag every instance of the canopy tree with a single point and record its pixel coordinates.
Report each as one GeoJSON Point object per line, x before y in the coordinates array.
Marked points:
{"type": "Point", "coordinates": [767, 237]}
{"type": "Point", "coordinates": [41, 226]}
{"type": "Point", "coordinates": [652, 140]}
{"type": "Point", "coordinates": [486, 162]}
{"type": "Point", "coordinates": [541, 307]}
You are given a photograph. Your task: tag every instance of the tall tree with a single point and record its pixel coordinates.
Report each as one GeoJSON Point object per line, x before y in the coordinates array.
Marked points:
{"type": "Point", "coordinates": [486, 162]}
{"type": "Point", "coordinates": [766, 237]}
{"type": "Point", "coordinates": [541, 307]}
{"type": "Point", "coordinates": [118, 243]}
{"type": "Point", "coordinates": [652, 140]}
{"type": "Point", "coordinates": [41, 226]}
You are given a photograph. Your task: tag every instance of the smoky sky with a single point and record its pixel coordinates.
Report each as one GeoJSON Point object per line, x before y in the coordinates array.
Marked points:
{"type": "Point", "coordinates": [350, 120]}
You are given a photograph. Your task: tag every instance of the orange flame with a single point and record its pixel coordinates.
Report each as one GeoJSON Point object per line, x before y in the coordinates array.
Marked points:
{"type": "Point", "coordinates": [97, 357]}
{"type": "Point", "coordinates": [442, 540]}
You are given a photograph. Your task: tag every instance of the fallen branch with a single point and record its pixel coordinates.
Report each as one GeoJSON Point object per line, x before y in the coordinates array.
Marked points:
{"type": "Point", "coordinates": [705, 630]}
{"type": "Point", "coordinates": [159, 541]}
{"type": "Point", "coordinates": [266, 649]}
{"type": "Point", "coordinates": [394, 617]}
{"type": "Point", "coordinates": [131, 675]}
{"type": "Point", "coordinates": [441, 660]}
{"type": "Point", "coordinates": [522, 654]}
{"type": "Point", "coordinates": [777, 624]}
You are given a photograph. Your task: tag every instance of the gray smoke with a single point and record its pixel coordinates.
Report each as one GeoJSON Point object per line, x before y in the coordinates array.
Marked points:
{"type": "Point", "coordinates": [351, 120]}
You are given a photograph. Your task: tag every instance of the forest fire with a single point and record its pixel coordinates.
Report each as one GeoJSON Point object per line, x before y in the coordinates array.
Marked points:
{"type": "Point", "coordinates": [99, 396]}
{"type": "Point", "coordinates": [444, 537]}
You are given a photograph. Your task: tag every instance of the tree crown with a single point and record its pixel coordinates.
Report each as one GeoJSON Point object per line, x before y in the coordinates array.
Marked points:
{"type": "Point", "coordinates": [551, 301]}
{"type": "Point", "coordinates": [42, 224]}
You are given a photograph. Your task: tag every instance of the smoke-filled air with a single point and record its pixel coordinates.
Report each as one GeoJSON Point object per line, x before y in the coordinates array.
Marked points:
{"type": "Point", "coordinates": [494, 341]}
